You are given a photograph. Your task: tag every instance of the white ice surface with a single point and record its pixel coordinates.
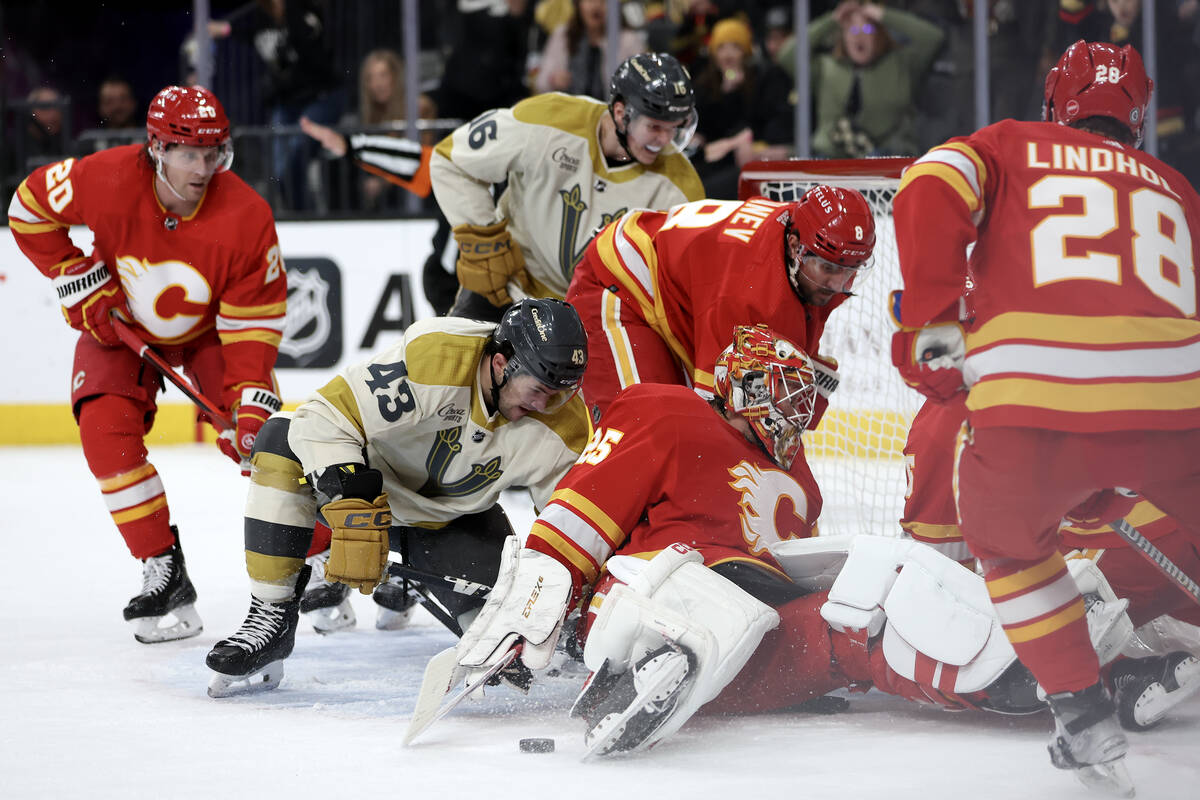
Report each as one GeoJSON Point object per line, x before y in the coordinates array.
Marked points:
{"type": "Point", "coordinates": [87, 712]}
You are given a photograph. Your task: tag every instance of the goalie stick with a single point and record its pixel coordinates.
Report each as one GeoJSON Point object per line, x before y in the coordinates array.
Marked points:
{"type": "Point", "coordinates": [1158, 558]}
{"type": "Point", "coordinates": [457, 585]}
{"type": "Point", "coordinates": [154, 359]}
{"type": "Point", "coordinates": [442, 674]}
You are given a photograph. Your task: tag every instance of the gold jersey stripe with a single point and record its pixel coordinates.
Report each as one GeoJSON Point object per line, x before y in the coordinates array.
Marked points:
{"type": "Point", "coordinates": [593, 513]}
{"type": "Point", "coordinates": [251, 312]}
{"type": "Point", "coordinates": [1036, 630]}
{"type": "Point", "coordinates": [115, 482]}
{"type": "Point", "coordinates": [565, 549]}
{"type": "Point", "coordinates": [339, 395]}
{"type": "Point", "coordinates": [1002, 587]}
{"type": "Point", "coordinates": [1087, 331]}
{"type": "Point", "coordinates": [277, 472]}
{"type": "Point", "coordinates": [267, 337]}
{"type": "Point", "coordinates": [140, 511]}
{"type": "Point", "coordinates": [1177, 395]}
{"type": "Point", "coordinates": [278, 570]}
{"type": "Point", "coordinates": [928, 531]}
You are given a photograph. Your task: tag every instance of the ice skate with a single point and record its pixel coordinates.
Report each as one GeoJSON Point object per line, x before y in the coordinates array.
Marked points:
{"type": "Point", "coordinates": [164, 610]}
{"type": "Point", "coordinates": [326, 605]}
{"type": "Point", "coordinates": [251, 660]}
{"type": "Point", "coordinates": [1088, 740]}
{"type": "Point", "coordinates": [623, 710]}
{"type": "Point", "coordinates": [1147, 688]}
{"type": "Point", "coordinates": [395, 604]}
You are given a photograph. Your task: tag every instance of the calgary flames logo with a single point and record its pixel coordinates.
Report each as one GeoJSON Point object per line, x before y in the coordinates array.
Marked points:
{"type": "Point", "coordinates": [774, 506]}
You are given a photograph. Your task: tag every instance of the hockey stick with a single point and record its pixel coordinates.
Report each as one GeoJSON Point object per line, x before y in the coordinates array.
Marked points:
{"type": "Point", "coordinates": [152, 357]}
{"type": "Point", "coordinates": [457, 585]}
{"type": "Point", "coordinates": [1157, 557]}
{"type": "Point", "coordinates": [442, 674]}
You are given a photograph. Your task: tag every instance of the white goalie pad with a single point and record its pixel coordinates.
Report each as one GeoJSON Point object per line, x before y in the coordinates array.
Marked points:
{"type": "Point", "coordinates": [812, 563]}
{"type": "Point", "coordinates": [529, 601]}
{"type": "Point", "coordinates": [675, 598]}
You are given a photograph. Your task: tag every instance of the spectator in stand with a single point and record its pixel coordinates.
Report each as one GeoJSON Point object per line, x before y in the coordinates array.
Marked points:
{"type": "Point", "coordinates": [117, 106]}
{"type": "Point", "coordinates": [744, 109]}
{"type": "Point", "coordinates": [44, 137]}
{"type": "Point", "coordinates": [865, 88]}
{"type": "Point", "coordinates": [290, 37]}
{"type": "Point", "coordinates": [574, 56]}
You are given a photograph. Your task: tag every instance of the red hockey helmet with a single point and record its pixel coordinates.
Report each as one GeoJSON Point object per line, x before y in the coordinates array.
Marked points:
{"type": "Point", "coordinates": [770, 382]}
{"type": "Point", "coordinates": [1098, 79]}
{"type": "Point", "coordinates": [187, 115]}
{"type": "Point", "coordinates": [835, 224]}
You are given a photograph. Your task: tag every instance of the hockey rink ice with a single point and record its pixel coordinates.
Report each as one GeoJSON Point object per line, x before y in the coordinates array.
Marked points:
{"type": "Point", "coordinates": [87, 712]}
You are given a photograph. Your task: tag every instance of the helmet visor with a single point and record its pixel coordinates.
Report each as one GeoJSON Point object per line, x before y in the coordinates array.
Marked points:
{"type": "Point", "coordinates": [208, 160]}
{"type": "Point", "coordinates": [825, 274]}
{"type": "Point", "coordinates": [530, 391]}
{"type": "Point", "coordinates": [659, 135]}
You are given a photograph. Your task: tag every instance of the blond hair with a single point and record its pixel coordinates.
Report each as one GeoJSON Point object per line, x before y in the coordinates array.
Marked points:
{"type": "Point", "coordinates": [370, 112]}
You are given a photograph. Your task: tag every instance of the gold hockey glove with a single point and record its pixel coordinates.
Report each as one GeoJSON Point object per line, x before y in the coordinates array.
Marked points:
{"type": "Point", "coordinates": [488, 259]}
{"type": "Point", "coordinates": [358, 551]}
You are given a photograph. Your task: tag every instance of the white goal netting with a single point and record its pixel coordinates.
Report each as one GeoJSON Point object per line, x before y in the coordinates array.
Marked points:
{"type": "Point", "coordinates": [857, 452]}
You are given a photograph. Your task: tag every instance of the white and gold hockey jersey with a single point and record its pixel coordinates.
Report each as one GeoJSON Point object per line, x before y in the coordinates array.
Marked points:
{"type": "Point", "coordinates": [417, 412]}
{"type": "Point", "coordinates": [560, 188]}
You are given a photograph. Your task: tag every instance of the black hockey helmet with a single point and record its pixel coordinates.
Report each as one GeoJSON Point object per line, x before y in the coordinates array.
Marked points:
{"type": "Point", "coordinates": [542, 337]}
{"type": "Point", "coordinates": [657, 86]}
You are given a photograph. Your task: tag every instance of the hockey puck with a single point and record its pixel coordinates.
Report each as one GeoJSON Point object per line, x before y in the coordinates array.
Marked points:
{"type": "Point", "coordinates": [537, 745]}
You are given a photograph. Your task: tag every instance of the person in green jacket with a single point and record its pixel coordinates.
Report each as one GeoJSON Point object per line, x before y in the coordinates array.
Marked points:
{"type": "Point", "coordinates": [868, 63]}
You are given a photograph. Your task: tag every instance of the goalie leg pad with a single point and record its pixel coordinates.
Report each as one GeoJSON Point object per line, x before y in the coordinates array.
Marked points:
{"type": "Point", "coordinates": [690, 608]}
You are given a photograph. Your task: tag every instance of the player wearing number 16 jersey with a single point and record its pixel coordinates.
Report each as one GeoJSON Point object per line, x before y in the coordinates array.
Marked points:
{"type": "Point", "coordinates": [186, 252]}
{"type": "Point", "coordinates": [1083, 361]}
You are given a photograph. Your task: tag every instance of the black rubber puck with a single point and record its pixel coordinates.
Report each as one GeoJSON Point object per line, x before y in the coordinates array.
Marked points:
{"type": "Point", "coordinates": [537, 745]}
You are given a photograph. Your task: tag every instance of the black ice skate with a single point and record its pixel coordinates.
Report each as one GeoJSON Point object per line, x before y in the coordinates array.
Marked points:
{"type": "Point", "coordinates": [396, 602]}
{"type": "Point", "coordinates": [1087, 739]}
{"type": "Point", "coordinates": [326, 605]}
{"type": "Point", "coordinates": [167, 596]}
{"type": "Point", "coordinates": [1147, 688]}
{"type": "Point", "coordinates": [252, 659]}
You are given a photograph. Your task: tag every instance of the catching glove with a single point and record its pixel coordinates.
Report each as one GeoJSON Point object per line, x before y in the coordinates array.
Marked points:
{"type": "Point", "coordinates": [930, 359]}
{"type": "Point", "coordinates": [249, 413]}
{"type": "Point", "coordinates": [488, 259]}
{"type": "Point", "coordinates": [89, 293]}
{"type": "Point", "coordinates": [358, 551]}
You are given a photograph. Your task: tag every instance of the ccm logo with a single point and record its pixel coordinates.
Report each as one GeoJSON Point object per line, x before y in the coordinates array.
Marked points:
{"type": "Point", "coordinates": [533, 596]}
{"type": "Point", "coordinates": [484, 248]}
{"type": "Point", "coordinates": [368, 519]}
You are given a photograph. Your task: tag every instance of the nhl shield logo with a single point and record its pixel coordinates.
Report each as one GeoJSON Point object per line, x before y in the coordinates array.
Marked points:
{"type": "Point", "coordinates": [312, 335]}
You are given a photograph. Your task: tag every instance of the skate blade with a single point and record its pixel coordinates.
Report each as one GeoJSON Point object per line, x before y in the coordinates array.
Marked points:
{"type": "Point", "coordinates": [264, 680]}
{"type": "Point", "coordinates": [1111, 779]}
{"type": "Point", "coordinates": [388, 620]}
{"type": "Point", "coordinates": [186, 624]}
{"type": "Point", "coordinates": [602, 738]}
{"type": "Point", "coordinates": [332, 619]}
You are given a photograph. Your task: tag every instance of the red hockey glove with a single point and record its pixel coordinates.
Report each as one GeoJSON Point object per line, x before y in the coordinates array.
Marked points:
{"type": "Point", "coordinates": [930, 359]}
{"type": "Point", "coordinates": [89, 293]}
{"type": "Point", "coordinates": [249, 414]}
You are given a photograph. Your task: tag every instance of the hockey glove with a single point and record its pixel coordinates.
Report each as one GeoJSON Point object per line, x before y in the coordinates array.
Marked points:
{"type": "Point", "coordinates": [89, 293]}
{"type": "Point", "coordinates": [827, 380]}
{"type": "Point", "coordinates": [249, 413]}
{"type": "Point", "coordinates": [358, 551]}
{"type": "Point", "coordinates": [930, 359]}
{"type": "Point", "coordinates": [488, 259]}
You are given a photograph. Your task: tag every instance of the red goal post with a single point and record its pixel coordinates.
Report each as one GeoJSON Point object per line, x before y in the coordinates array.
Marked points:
{"type": "Point", "coordinates": [857, 452]}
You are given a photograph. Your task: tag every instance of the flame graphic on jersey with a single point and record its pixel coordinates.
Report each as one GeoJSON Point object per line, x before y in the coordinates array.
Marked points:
{"type": "Point", "coordinates": [764, 494]}
{"type": "Point", "coordinates": [168, 298]}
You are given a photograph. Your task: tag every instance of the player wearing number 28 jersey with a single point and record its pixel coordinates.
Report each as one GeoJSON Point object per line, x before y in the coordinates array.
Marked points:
{"type": "Point", "coordinates": [1082, 365]}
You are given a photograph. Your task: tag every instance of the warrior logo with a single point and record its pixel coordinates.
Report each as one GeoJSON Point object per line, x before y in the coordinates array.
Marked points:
{"type": "Point", "coordinates": [308, 324]}
{"type": "Point", "coordinates": [774, 506]}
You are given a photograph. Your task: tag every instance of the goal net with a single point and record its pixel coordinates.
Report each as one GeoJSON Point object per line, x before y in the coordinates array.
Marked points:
{"type": "Point", "coordinates": [856, 453]}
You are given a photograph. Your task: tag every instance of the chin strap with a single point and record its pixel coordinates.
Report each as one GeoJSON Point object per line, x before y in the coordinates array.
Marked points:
{"type": "Point", "coordinates": [158, 171]}
{"type": "Point", "coordinates": [496, 387]}
{"type": "Point", "coordinates": [622, 138]}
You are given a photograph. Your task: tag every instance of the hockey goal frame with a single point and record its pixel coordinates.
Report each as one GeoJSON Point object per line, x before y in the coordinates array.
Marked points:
{"type": "Point", "coordinates": [856, 453]}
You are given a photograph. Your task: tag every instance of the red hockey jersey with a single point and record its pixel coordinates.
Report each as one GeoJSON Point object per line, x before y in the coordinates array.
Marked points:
{"type": "Point", "coordinates": [220, 267]}
{"type": "Point", "coordinates": [665, 468]}
{"type": "Point", "coordinates": [1084, 264]}
{"type": "Point", "coordinates": [703, 268]}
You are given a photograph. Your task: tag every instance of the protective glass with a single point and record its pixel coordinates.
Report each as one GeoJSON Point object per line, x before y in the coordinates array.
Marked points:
{"type": "Point", "coordinates": [654, 133]}
{"type": "Point", "coordinates": [208, 160]}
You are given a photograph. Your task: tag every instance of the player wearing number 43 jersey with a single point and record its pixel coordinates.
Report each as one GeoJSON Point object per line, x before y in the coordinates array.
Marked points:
{"type": "Point", "coordinates": [1083, 360]}
{"type": "Point", "coordinates": [408, 451]}
{"type": "Point", "coordinates": [186, 252]}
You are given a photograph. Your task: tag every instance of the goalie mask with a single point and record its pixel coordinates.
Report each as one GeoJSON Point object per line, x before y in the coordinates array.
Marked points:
{"type": "Point", "coordinates": [193, 116]}
{"type": "Point", "coordinates": [658, 99]}
{"type": "Point", "coordinates": [543, 338]}
{"type": "Point", "coordinates": [829, 241]}
{"type": "Point", "coordinates": [1098, 79]}
{"type": "Point", "coordinates": [769, 382]}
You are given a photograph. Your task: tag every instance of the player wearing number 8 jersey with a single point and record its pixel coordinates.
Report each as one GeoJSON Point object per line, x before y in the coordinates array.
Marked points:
{"type": "Point", "coordinates": [186, 252]}
{"type": "Point", "coordinates": [1083, 362]}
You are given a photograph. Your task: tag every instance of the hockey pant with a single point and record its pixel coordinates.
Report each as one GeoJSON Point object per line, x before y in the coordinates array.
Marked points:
{"type": "Point", "coordinates": [1014, 486]}
{"type": "Point", "coordinates": [930, 514]}
{"type": "Point", "coordinates": [113, 399]}
{"type": "Point", "coordinates": [282, 510]}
